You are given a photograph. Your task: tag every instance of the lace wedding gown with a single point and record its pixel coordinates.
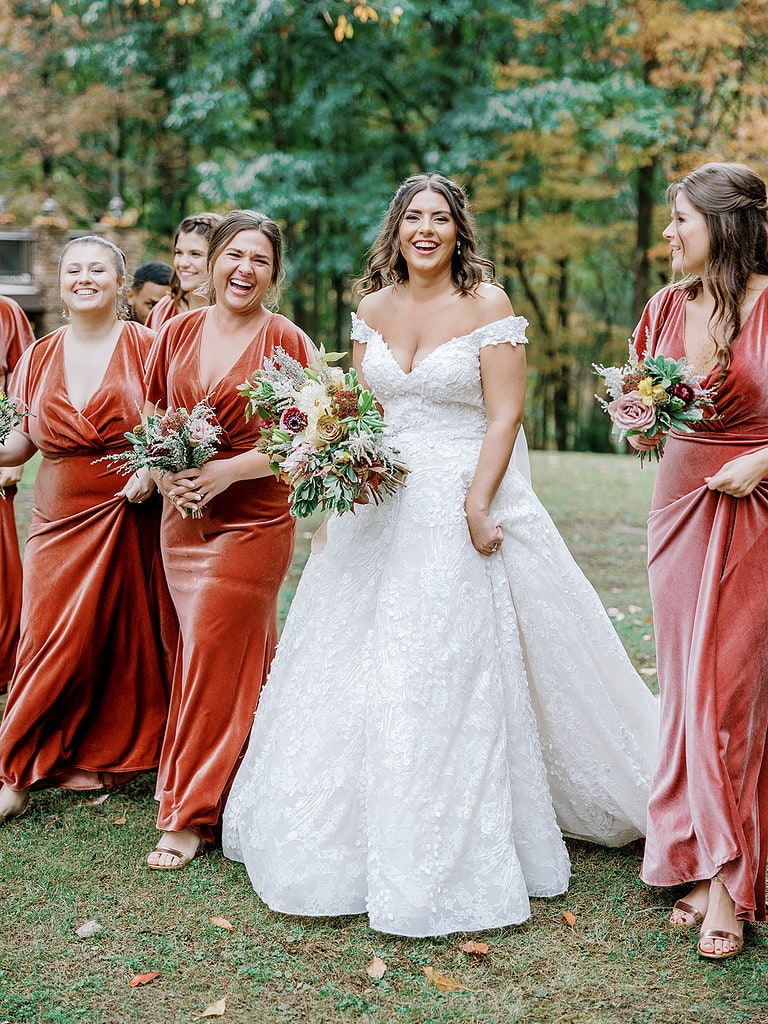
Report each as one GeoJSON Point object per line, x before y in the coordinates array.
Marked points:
{"type": "Point", "coordinates": [435, 719]}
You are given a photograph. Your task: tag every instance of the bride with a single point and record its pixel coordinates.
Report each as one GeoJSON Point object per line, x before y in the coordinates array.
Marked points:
{"type": "Point", "coordinates": [448, 697]}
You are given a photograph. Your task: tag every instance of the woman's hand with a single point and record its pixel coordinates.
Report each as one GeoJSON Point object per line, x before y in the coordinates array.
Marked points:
{"type": "Point", "coordinates": [645, 444]}
{"type": "Point", "coordinates": [741, 475]}
{"type": "Point", "coordinates": [10, 476]}
{"type": "Point", "coordinates": [194, 488]}
{"type": "Point", "coordinates": [138, 488]}
{"type": "Point", "coordinates": [487, 536]}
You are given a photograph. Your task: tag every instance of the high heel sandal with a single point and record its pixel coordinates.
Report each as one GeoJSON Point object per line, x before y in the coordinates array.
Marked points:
{"type": "Point", "coordinates": [714, 933]}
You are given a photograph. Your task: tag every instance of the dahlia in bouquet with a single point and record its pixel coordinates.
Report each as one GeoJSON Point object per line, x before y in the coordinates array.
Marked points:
{"type": "Point", "coordinates": [322, 433]}
{"type": "Point", "coordinates": [171, 441]}
{"type": "Point", "coordinates": [651, 395]}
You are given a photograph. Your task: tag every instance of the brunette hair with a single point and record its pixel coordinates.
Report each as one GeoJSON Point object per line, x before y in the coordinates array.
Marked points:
{"type": "Point", "coordinates": [386, 265]}
{"type": "Point", "coordinates": [732, 200]}
{"type": "Point", "coordinates": [196, 224]}
{"type": "Point", "coordinates": [116, 258]}
{"type": "Point", "coordinates": [247, 220]}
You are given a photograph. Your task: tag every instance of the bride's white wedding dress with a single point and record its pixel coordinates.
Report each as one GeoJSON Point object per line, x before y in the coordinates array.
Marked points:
{"type": "Point", "coordinates": [434, 718]}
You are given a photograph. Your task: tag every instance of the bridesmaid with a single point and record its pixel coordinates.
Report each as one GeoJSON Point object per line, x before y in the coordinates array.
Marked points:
{"type": "Point", "coordinates": [224, 570]}
{"type": "Point", "coordinates": [707, 544]}
{"type": "Point", "coordinates": [190, 260]}
{"type": "Point", "coordinates": [15, 336]}
{"type": "Point", "coordinates": [87, 703]}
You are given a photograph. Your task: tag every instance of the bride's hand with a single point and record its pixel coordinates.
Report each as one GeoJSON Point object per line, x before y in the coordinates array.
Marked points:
{"type": "Point", "coordinates": [487, 536]}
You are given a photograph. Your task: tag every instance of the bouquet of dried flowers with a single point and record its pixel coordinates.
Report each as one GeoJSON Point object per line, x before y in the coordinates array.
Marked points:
{"type": "Point", "coordinates": [12, 411]}
{"type": "Point", "coordinates": [323, 434]}
{"type": "Point", "coordinates": [171, 441]}
{"type": "Point", "coordinates": [651, 395]}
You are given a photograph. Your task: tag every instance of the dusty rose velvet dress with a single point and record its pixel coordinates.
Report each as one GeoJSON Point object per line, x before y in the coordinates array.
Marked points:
{"type": "Point", "coordinates": [707, 556]}
{"type": "Point", "coordinates": [15, 336]}
{"type": "Point", "coordinates": [161, 313]}
{"type": "Point", "coordinates": [87, 702]}
{"type": "Point", "coordinates": [224, 572]}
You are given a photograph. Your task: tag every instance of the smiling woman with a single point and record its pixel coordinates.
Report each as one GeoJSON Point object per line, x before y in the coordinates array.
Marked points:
{"type": "Point", "coordinates": [87, 702]}
{"type": "Point", "coordinates": [225, 568]}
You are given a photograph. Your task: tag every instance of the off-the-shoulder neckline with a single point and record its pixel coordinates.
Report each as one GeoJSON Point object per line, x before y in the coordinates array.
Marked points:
{"type": "Point", "coordinates": [442, 345]}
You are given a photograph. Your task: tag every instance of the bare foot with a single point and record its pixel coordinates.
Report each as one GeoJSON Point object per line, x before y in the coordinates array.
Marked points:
{"type": "Point", "coordinates": [722, 935]}
{"type": "Point", "coordinates": [174, 850]}
{"type": "Point", "coordinates": [13, 803]}
{"type": "Point", "coordinates": [692, 910]}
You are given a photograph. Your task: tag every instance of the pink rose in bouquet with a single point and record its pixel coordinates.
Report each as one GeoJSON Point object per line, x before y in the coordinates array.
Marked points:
{"type": "Point", "coordinates": [629, 412]}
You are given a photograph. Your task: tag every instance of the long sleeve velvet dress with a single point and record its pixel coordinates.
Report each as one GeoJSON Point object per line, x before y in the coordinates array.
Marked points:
{"type": "Point", "coordinates": [88, 700]}
{"type": "Point", "coordinates": [224, 572]}
{"type": "Point", "coordinates": [707, 557]}
{"type": "Point", "coordinates": [15, 336]}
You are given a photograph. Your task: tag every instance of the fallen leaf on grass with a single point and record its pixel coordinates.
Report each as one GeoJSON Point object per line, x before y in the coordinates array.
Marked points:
{"type": "Point", "coordinates": [441, 981]}
{"type": "Point", "coordinates": [569, 918]}
{"type": "Point", "coordinates": [143, 979]}
{"type": "Point", "coordinates": [120, 821]}
{"type": "Point", "coordinates": [94, 801]}
{"type": "Point", "coordinates": [376, 968]}
{"type": "Point", "coordinates": [473, 948]}
{"type": "Point", "coordinates": [89, 929]}
{"type": "Point", "coordinates": [217, 1009]}
{"type": "Point", "coordinates": [222, 922]}
{"type": "Point", "coordinates": [648, 671]}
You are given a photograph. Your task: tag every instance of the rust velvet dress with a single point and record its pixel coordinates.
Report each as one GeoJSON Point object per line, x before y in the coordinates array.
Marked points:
{"type": "Point", "coordinates": [224, 572]}
{"type": "Point", "coordinates": [15, 336]}
{"type": "Point", "coordinates": [161, 313]}
{"type": "Point", "coordinates": [87, 703]}
{"type": "Point", "coordinates": [707, 556]}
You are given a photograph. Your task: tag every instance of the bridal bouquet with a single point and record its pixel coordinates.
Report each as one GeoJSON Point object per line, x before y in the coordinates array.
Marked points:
{"type": "Point", "coordinates": [651, 395]}
{"type": "Point", "coordinates": [322, 433]}
{"type": "Point", "coordinates": [173, 441]}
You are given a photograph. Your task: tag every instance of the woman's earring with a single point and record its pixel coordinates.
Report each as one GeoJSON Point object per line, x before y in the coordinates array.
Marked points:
{"type": "Point", "coordinates": [458, 247]}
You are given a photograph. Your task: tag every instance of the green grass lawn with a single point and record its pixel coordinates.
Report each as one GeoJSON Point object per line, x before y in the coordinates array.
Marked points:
{"type": "Point", "coordinates": [70, 861]}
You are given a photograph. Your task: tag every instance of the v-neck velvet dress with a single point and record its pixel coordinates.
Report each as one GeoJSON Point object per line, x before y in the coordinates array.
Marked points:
{"type": "Point", "coordinates": [87, 703]}
{"type": "Point", "coordinates": [15, 336]}
{"type": "Point", "coordinates": [224, 571]}
{"type": "Point", "coordinates": [707, 558]}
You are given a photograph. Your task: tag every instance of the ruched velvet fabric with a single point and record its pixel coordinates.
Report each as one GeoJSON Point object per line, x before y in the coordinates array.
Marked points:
{"type": "Point", "coordinates": [161, 313]}
{"type": "Point", "coordinates": [707, 553]}
{"type": "Point", "coordinates": [15, 336]}
{"type": "Point", "coordinates": [224, 572]}
{"type": "Point", "coordinates": [88, 700]}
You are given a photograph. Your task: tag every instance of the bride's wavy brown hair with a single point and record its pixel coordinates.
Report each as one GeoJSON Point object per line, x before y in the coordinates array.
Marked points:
{"type": "Point", "coordinates": [385, 264]}
{"type": "Point", "coordinates": [732, 200]}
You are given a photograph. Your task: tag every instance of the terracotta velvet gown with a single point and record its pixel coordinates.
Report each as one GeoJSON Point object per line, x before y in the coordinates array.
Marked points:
{"type": "Point", "coordinates": [224, 572]}
{"type": "Point", "coordinates": [161, 313]}
{"type": "Point", "coordinates": [87, 702]}
{"type": "Point", "coordinates": [707, 556]}
{"type": "Point", "coordinates": [15, 336]}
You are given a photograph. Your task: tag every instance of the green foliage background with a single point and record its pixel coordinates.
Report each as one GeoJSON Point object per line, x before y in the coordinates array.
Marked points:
{"type": "Point", "coordinates": [564, 119]}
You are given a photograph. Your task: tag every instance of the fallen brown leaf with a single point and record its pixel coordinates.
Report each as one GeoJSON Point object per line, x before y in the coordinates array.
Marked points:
{"type": "Point", "coordinates": [376, 968]}
{"type": "Point", "coordinates": [441, 981]}
{"type": "Point", "coordinates": [120, 821]}
{"type": "Point", "coordinates": [569, 918]}
{"type": "Point", "coordinates": [222, 922]}
{"type": "Point", "coordinates": [143, 979]}
{"type": "Point", "coordinates": [473, 948]}
{"type": "Point", "coordinates": [217, 1009]}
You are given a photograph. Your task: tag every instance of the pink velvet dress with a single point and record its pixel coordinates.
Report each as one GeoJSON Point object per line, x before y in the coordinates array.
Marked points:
{"type": "Point", "coordinates": [707, 557]}
{"type": "Point", "coordinates": [224, 572]}
{"type": "Point", "coordinates": [88, 700]}
{"type": "Point", "coordinates": [15, 336]}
